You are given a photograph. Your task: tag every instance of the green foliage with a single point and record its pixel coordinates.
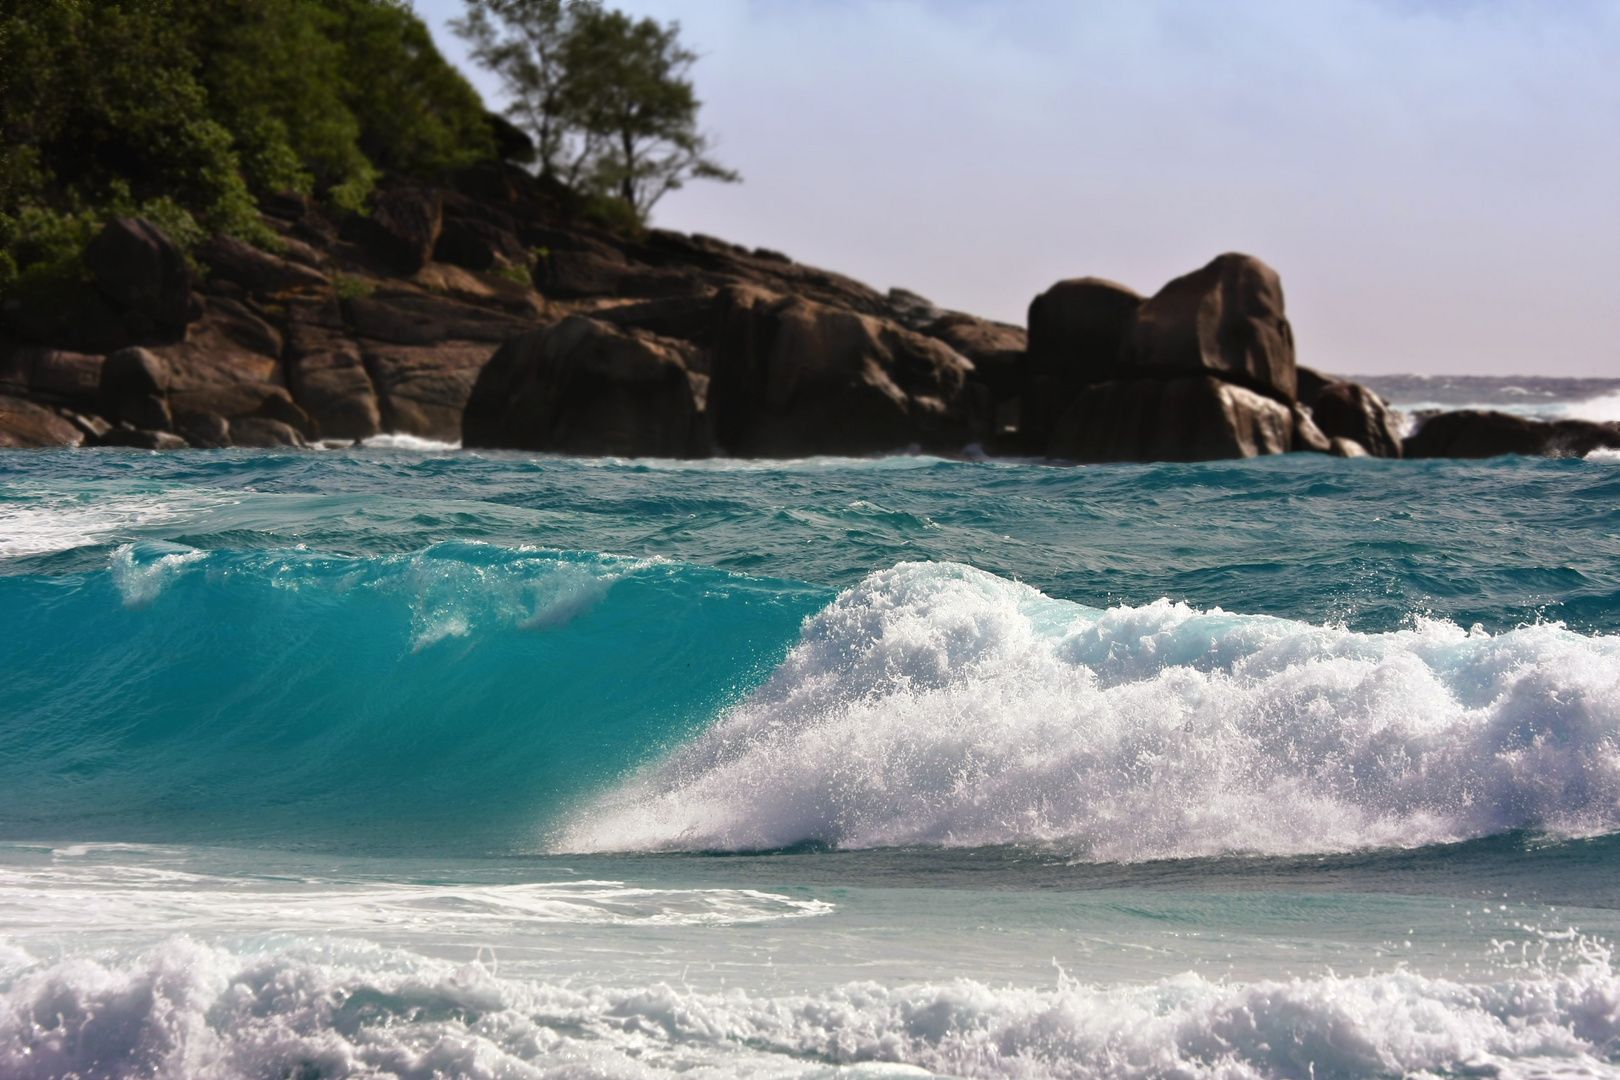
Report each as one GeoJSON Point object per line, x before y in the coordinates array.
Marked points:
{"type": "Point", "coordinates": [607, 98]}
{"type": "Point", "coordinates": [185, 110]}
{"type": "Point", "coordinates": [351, 288]}
{"type": "Point", "coordinates": [520, 274]}
{"type": "Point", "coordinates": [522, 41]}
{"type": "Point", "coordinates": [417, 114]}
{"type": "Point", "coordinates": [628, 87]}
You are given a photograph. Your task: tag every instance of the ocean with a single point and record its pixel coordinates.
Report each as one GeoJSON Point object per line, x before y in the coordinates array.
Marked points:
{"type": "Point", "coordinates": [401, 761]}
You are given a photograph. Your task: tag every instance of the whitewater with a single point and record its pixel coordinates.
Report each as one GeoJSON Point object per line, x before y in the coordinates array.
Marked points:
{"type": "Point", "coordinates": [405, 761]}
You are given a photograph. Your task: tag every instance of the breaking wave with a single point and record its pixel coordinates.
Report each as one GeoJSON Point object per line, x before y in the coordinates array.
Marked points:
{"type": "Point", "coordinates": [935, 704]}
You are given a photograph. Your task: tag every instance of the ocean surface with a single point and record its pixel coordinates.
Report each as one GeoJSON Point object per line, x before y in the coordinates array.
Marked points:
{"type": "Point", "coordinates": [401, 761]}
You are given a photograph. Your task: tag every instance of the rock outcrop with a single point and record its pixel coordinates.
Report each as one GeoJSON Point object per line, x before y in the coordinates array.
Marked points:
{"type": "Point", "coordinates": [1187, 419]}
{"type": "Point", "coordinates": [1225, 320]}
{"type": "Point", "coordinates": [28, 424]}
{"type": "Point", "coordinates": [1203, 369]}
{"type": "Point", "coordinates": [654, 342]}
{"type": "Point", "coordinates": [1077, 330]}
{"type": "Point", "coordinates": [794, 377]}
{"type": "Point", "coordinates": [1347, 410]}
{"type": "Point", "coordinates": [1482, 433]}
{"type": "Point", "coordinates": [582, 386]}
{"type": "Point", "coordinates": [143, 272]}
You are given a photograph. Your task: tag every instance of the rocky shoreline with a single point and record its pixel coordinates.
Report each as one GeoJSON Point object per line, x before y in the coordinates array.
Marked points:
{"type": "Point", "coordinates": [489, 313]}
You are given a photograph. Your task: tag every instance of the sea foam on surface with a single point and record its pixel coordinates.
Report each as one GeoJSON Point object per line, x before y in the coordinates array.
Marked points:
{"type": "Point", "coordinates": [184, 1008]}
{"type": "Point", "coordinates": [938, 704]}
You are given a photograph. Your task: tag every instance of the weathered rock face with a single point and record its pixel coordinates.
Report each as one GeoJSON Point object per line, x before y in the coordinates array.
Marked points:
{"type": "Point", "coordinates": [52, 373]}
{"type": "Point", "coordinates": [690, 318]}
{"type": "Point", "coordinates": [1188, 419]}
{"type": "Point", "coordinates": [996, 350]}
{"type": "Point", "coordinates": [1349, 410]}
{"type": "Point", "coordinates": [206, 430]}
{"type": "Point", "coordinates": [328, 377]}
{"type": "Point", "coordinates": [263, 433]}
{"type": "Point", "coordinates": [141, 270]}
{"type": "Point", "coordinates": [211, 373]}
{"type": "Point", "coordinates": [408, 317]}
{"type": "Point", "coordinates": [1311, 384]}
{"type": "Point", "coordinates": [1308, 438]}
{"type": "Point", "coordinates": [246, 267]}
{"type": "Point", "coordinates": [403, 227]}
{"type": "Point", "coordinates": [584, 386]}
{"type": "Point", "coordinates": [1076, 331]}
{"type": "Point", "coordinates": [422, 389]}
{"type": "Point", "coordinates": [26, 424]}
{"type": "Point", "coordinates": [1225, 319]}
{"type": "Point", "coordinates": [1481, 433]}
{"type": "Point", "coordinates": [793, 377]}
{"type": "Point", "coordinates": [479, 245]}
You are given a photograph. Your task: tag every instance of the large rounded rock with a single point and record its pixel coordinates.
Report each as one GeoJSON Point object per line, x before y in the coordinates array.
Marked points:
{"type": "Point", "coordinates": [140, 269]}
{"type": "Point", "coordinates": [1482, 433]}
{"type": "Point", "coordinates": [1076, 330]}
{"type": "Point", "coordinates": [582, 386]}
{"type": "Point", "coordinates": [793, 377]}
{"type": "Point", "coordinates": [1192, 419]}
{"type": "Point", "coordinates": [1347, 410]}
{"type": "Point", "coordinates": [1225, 320]}
{"type": "Point", "coordinates": [134, 371]}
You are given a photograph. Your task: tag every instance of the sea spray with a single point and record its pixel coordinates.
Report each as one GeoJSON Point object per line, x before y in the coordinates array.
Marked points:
{"type": "Point", "coordinates": [936, 704]}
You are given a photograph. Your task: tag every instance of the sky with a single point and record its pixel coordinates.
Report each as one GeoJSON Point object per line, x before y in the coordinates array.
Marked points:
{"type": "Point", "coordinates": [1437, 181]}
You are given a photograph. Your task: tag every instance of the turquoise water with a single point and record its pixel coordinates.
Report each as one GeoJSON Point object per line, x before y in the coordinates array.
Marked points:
{"type": "Point", "coordinates": [419, 763]}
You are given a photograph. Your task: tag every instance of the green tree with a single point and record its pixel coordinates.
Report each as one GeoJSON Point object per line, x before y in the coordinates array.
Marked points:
{"type": "Point", "coordinates": [522, 41]}
{"type": "Point", "coordinates": [628, 88]}
{"type": "Point", "coordinates": [608, 98]}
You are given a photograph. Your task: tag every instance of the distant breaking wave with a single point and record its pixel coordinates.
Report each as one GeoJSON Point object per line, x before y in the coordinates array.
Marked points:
{"type": "Point", "coordinates": [184, 1008]}
{"type": "Point", "coordinates": [935, 704]}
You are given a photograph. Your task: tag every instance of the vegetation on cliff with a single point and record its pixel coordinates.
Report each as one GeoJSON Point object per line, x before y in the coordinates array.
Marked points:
{"type": "Point", "coordinates": [185, 110]}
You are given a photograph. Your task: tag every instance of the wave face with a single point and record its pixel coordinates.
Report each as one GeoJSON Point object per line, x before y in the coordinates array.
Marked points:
{"type": "Point", "coordinates": [941, 705]}
{"type": "Point", "coordinates": [185, 1008]}
{"type": "Point", "coordinates": [454, 695]}
{"type": "Point", "coordinates": [389, 648]}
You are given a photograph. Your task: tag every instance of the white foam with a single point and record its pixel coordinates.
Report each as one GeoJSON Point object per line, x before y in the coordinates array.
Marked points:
{"type": "Point", "coordinates": [937, 704]}
{"type": "Point", "coordinates": [37, 523]}
{"type": "Point", "coordinates": [1600, 410]}
{"type": "Point", "coordinates": [452, 597]}
{"type": "Point", "coordinates": [402, 441]}
{"type": "Point", "coordinates": [73, 898]}
{"type": "Point", "coordinates": [141, 572]}
{"type": "Point", "coordinates": [329, 1008]}
{"type": "Point", "coordinates": [1604, 454]}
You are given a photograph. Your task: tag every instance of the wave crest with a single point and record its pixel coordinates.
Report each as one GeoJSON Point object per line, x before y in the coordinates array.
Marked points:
{"type": "Point", "coordinates": [937, 704]}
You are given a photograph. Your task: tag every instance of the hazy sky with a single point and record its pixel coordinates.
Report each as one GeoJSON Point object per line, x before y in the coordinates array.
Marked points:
{"type": "Point", "coordinates": [1437, 182]}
